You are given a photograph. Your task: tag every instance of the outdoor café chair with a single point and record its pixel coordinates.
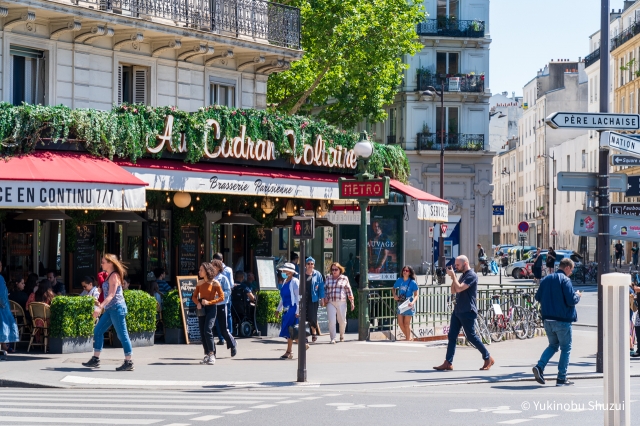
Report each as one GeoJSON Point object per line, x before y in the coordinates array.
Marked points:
{"type": "Point", "coordinates": [40, 318]}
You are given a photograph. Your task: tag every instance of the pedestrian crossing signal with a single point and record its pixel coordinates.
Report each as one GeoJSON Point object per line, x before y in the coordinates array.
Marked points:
{"type": "Point", "coordinates": [303, 228]}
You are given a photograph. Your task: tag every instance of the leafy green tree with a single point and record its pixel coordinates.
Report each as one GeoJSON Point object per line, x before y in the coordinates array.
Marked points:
{"type": "Point", "coordinates": [352, 64]}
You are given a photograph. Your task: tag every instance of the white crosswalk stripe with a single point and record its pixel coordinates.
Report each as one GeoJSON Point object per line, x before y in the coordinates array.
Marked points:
{"type": "Point", "coordinates": [136, 407]}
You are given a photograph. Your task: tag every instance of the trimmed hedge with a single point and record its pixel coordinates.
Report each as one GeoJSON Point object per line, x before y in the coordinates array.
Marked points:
{"type": "Point", "coordinates": [72, 316]}
{"type": "Point", "coordinates": [268, 301]}
{"type": "Point", "coordinates": [141, 311]}
{"type": "Point", "coordinates": [171, 314]}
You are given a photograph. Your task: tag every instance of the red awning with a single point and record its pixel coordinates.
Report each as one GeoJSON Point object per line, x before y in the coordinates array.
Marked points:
{"type": "Point", "coordinates": [56, 166]}
{"type": "Point", "coordinates": [68, 180]}
{"type": "Point", "coordinates": [415, 192]}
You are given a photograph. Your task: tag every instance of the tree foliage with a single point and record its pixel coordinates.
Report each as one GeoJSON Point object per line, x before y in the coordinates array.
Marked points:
{"type": "Point", "coordinates": [352, 64]}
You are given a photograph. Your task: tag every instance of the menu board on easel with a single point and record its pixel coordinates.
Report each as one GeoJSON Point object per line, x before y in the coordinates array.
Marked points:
{"type": "Point", "coordinates": [188, 251]}
{"type": "Point", "coordinates": [263, 248]}
{"type": "Point", "coordinates": [266, 273]}
{"type": "Point", "coordinates": [186, 287]}
{"type": "Point", "coordinates": [84, 258]}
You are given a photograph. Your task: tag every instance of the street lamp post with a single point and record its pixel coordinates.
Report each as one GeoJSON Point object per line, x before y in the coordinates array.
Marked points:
{"type": "Point", "coordinates": [431, 91]}
{"type": "Point", "coordinates": [551, 193]}
{"type": "Point", "coordinates": [363, 149]}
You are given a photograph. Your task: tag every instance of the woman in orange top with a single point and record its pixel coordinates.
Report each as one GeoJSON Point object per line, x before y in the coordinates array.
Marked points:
{"type": "Point", "coordinates": [206, 295]}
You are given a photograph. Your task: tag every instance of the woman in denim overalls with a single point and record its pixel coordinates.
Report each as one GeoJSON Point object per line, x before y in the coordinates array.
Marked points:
{"type": "Point", "coordinates": [115, 311]}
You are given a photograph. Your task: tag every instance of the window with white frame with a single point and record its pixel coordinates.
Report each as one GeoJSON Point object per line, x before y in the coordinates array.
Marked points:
{"type": "Point", "coordinates": [222, 91]}
{"type": "Point", "coordinates": [631, 103]}
{"type": "Point", "coordinates": [133, 84]}
{"type": "Point", "coordinates": [28, 76]}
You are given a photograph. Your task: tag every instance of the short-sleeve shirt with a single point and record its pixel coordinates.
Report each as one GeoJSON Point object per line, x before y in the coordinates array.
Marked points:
{"type": "Point", "coordinates": [538, 262]}
{"type": "Point", "coordinates": [466, 300]}
{"type": "Point", "coordinates": [618, 248]}
{"type": "Point", "coordinates": [405, 288]}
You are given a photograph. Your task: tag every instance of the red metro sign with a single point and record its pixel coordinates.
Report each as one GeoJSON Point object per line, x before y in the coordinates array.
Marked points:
{"type": "Point", "coordinates": [372, 188]}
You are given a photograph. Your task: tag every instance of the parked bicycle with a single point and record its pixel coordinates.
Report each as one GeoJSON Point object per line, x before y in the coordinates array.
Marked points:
{"type": "Point", "coordinates": [512, 318]}
{"type": "Point", "coordinates": [532, 307]}
{"type": "Point", "coordinates": [480, 325]}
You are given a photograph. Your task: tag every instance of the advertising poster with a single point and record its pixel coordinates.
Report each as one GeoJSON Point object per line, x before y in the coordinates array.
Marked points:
{"type": "Point", "coordinates": [382, 244]}
{"type": "Point", "coordinates": [328, 260]}
{"type": "Point", "coordinates": [328, 237]}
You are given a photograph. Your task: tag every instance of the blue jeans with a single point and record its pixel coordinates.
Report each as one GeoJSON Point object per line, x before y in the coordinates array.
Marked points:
{"type": "Point", "coordinates": [468, 322]}
{"type": "Point", "coordinates": [229, 323]}
{"type": "Point", "coordinates": [559, 335]}
{"type": "Point", "coordinates": [113, 316]}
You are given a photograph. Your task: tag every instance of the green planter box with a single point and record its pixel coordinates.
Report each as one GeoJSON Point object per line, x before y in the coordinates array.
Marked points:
{"type": "Point", "coordinates": [174, 336]}
{"type": "Point", "coordinates": [269, 330]}
{"type": "Point", "coordinates": [70, 345]}
{"type": "Point", "coordinates": [71, 328]}
{"type": "Point", "coordinates": [138, 339]}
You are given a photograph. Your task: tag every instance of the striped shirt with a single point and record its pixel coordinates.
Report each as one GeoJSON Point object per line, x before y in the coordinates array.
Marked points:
{"type": "Point", "coordinates": [337, 289]}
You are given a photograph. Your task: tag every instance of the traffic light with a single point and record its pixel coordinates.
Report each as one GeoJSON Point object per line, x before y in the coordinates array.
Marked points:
{"type": "Point", "coordinates": [303, 228]}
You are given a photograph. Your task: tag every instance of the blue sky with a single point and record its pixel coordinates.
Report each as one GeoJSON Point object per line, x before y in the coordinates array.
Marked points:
{"type": "Point", "coordinates": [526, 35]}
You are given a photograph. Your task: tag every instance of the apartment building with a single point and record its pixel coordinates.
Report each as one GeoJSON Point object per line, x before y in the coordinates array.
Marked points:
{"type": "Point", "coordinates": [454, 63]}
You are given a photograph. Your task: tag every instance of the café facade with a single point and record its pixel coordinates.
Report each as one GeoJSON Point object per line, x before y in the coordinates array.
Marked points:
{"type": "Point", "coordinates": [189, 185]}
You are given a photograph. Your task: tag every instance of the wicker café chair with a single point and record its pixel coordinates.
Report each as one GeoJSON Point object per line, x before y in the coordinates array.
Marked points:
{"type": "Point", "coordinates": [40, 318]}
{"type": "Point", "coordinates": [159, 321]}
{"type": "Point", "coordinates": [21, 318]}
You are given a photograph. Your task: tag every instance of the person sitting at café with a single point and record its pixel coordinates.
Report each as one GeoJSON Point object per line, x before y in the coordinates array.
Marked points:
{"type": "Point", "coordinates": [155, 292]}
{"type": "Point", "coordinates": [240, 279]}
{"type": "Point", "coordinates": [251, 280]}
{"type": "Point", "coordinates": [17, 293]}
{"type": "Point", "coordinates": [57, 287]}
{"type": "Point", "coordinates": [90, 289]}
{"type": "Point", "coordinates": [126, 283]}
{"type": "Point", "coordinates": [44, 294]}
{"type": "Point", "coordinates": [163, 286]}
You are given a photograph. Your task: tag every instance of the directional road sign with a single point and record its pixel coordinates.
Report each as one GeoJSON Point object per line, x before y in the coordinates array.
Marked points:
{"type": "Point", "coordinates": [586, 181]}
{"type": "Point", "coordinates": [625, 160]}
{"type": "Point", "coordinates": [523, 227]}
{"type": "Point", "coordinates": [620, 142]}
{"type": "Point", "coordinates": [633, 187]}
{"type": "Point", "coordinates": [498, 210]}
{"type": "Point", "coordinates": [621, 227]}
{"type": "Point", "coordinates": [593, 121]}
{"type": "Point", "coordinates": [628, 209]}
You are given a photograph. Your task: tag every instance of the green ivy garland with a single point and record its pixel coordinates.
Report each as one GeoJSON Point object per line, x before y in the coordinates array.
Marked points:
{"type": "Point", "coordinates": [123, 131]}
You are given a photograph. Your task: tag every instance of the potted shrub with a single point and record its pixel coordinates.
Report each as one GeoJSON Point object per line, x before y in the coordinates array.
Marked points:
{"type": "Point", "coordinates": [268, 323]}
{"type": "Point", "coordinates": [71, 328]}
{"type": "Point", "coordinates": [172, 317]}
{"type": "Point", "coordinates": [141, 318]}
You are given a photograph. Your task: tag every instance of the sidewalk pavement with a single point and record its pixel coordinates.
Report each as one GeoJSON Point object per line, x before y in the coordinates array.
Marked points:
{"type": "Point", "coordinates": [352, 365]}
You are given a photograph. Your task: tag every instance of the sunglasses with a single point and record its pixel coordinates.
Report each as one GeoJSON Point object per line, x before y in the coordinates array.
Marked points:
{"type": "Point", "coordinates": [310, 263]}
{"type": "Point", "coordinates": [406, 270]}
{"type": "Point", "coordinates": [335, 269]}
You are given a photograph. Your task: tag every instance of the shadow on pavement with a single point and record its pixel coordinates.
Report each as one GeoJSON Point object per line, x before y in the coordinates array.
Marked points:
{"type": "Point", "coordinates": [519, 388]}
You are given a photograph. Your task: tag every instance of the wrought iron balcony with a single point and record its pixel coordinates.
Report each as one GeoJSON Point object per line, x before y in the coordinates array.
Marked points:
{"type": "Point", "coordinates": [592, 58]}
{"type": "Point", "coordinates": [391, 140]}
{"type": "Point", "coordinates": [466, 83]}
{"type": "Point", "coordinates": [451, 27]}
{"type": "Point", "coordinates": [625, 36]}
{"type": "Point", "coordinates": [452, 142]}
{"type": "Point", "coordinates": [276, 23]}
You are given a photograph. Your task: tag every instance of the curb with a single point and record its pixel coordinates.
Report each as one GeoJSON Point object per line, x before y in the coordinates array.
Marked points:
{"type": "Point", "coordinates": [16, 384]}
{"type": "Point", "coordinates": [583, 376]}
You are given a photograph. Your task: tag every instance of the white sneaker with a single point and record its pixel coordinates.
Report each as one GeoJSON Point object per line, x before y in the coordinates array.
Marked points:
{"type": "Point", "coordinates": [205, 359]}
{"type": "Point", "coordinates": [333, 341]}
{"type": "Point", "coordinates": [211, 360]}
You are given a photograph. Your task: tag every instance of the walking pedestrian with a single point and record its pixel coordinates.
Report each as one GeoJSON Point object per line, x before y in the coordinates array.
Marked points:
{"type": "Point", "coordinates": [207, 294]}
{"type": "Point", "coordinates": [464, 313]}
{"type": "Point", "coordinates": [223, 306]}
{"type": "Point", "coordinates": [8, 327]}
{"type": "Point", "coordinates": [558, 302]}
{"type": "Point", "coordinates": [289, 305]}
{"type": "Point", "coordinates": [314, 293]}
{"type": "Point", "coordinates": [115, 311]}
{"type": "Point", "coordinates": [405, 288]}
{"type": "Point", "coordinates": [227, 272]}
{"type": "Point", "coordinates": [618, 251]}
{"type": "Point", "coordinates": [337, 291]}
{"type": "Point", "coordinates": [551, 260]}
{"type": "Point", "coordinates": [537, 266]}
{"type": "Point", "coordinates": [634, 255]}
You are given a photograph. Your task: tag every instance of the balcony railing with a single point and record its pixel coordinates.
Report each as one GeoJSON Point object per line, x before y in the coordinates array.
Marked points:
{"type": "Point", "coordinates": [625, 36]}
{"type": "Point", "coordinates": [391, 140]}
{"type": "Point", "coordinates": [592, 58]}
{"type": "Point", "coordinates": [277, 23]}
{"type": "Point", "coordinates": [451, 27]}
{"type": "Point", "coordinates": [466, 83]}
{"type": "Point", "coordinates": [452, 141]}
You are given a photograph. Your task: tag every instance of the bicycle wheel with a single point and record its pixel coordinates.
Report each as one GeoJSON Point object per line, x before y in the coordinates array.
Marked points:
{"type": "Point", "coordinates": [519, 322]}
{"type": "Point", "coordinates": [535, 321]}
{"type": "Point", "coordinates": [495, 325]}
{"type": "Point", "coordinates": [483, 330]}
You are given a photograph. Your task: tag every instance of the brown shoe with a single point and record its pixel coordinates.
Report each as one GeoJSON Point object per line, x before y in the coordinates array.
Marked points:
{"type": "Point", "coordinates": [446, 366]}
{"type": "Point", "coordinates": [488, 363]}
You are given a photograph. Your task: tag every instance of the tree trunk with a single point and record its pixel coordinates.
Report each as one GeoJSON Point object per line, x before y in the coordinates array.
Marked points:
{"type": "Point", "coordinates": [309, 91]}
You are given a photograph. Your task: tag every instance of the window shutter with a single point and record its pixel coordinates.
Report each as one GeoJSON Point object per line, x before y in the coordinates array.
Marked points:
{"type": "Point", "coordinates": [637, 15]}
{"type": "Point", "coordinates": [29, 81]}
{"type": "Point", "coordinates": [120, 88]}
{"type": "Point", "coordinates": [140, 85]}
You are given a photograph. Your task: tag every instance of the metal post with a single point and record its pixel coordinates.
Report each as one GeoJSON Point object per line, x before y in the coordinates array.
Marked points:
{"type": "Point", "coordinates": [302, 329]}
{"type": "Point", "coordinates": [603, 178]}
{"type": "Point", "coordinates": [441, 259]}
{"type": "Point", "coordinates": [363, 293]}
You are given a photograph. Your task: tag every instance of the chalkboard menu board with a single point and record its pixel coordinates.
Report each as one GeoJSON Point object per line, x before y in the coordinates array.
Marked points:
{"type": "Point", "coordinates": [84, 258]}
{"type": "Point", "coordinates": [188, 251]}
{"type": "Point", "coordinates": [186, 287]}
{"type": "Point", "coordinates": [264, 246]}
{"type": "Point", "coordinates": [266, 273]}
{"type": "Point", "coordinates": [323, 319]}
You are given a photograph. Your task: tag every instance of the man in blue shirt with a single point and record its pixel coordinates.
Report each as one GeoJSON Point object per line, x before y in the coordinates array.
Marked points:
{"type": "Point", "coordinates": [558, 302]}
{"type": "Point", "coordinates": [227, 272]}
{"type": "Point", "coordinates": [464, 314]}
{"type": "Point", "coordinates": [163, 285]}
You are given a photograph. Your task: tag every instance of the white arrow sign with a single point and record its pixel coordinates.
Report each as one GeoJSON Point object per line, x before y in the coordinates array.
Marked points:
{"type": "Point", "coordinates": [620, 142]}
{"type": "Point", "coordinates": [593, 121]}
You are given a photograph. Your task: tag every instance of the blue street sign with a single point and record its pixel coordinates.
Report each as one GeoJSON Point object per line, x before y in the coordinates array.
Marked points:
{"type": "Point", "coordinates": [498, 210]}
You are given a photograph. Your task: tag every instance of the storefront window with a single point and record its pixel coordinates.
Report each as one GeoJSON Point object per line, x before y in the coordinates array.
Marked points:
{"type": "Point", "coordinates": [158, 241]}
{"type": "Point", "coordinates": [17, 248]}
{"type": "Point", "coordinates": [49, 247]}
{"type": "Point", "coordinates": [239, 248]}
{"type": "Point", "coordinates": [132, 252]}
{"type": "Point", "coordinates": [214, 240]}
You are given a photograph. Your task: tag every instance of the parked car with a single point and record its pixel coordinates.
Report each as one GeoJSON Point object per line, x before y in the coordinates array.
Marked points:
{"type": "Point", "coordinates": [521, 270]}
